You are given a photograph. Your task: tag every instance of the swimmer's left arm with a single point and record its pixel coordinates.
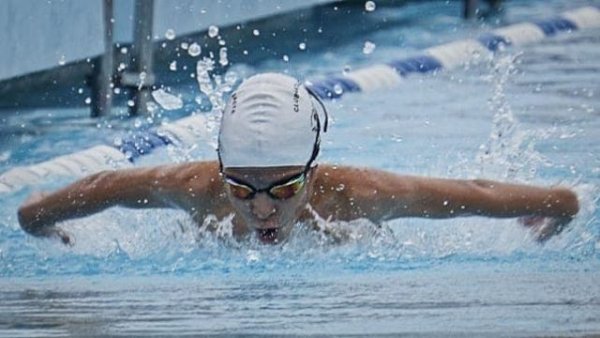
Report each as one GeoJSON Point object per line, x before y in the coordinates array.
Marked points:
{"type": "Point", "coordinates": [441, 198]}
{"type": "Point", "coordinates": [379, 196]}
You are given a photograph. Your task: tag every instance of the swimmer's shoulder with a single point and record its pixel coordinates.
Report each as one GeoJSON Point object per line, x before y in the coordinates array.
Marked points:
{"type": "Point", "coordinates": [190, 185]}
{"type": "Point", "coordinates": [198, 176]}
{"type": "Point", "coordinates": [338, 190]}
{"type": "Point", "coordinates": [360, 183]}
{"type": "Point", "coordinates": [346, 193]}
{"type": "Point", "coordinates": [335, 174]}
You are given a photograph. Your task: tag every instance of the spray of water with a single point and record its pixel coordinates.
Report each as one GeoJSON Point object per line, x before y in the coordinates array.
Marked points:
{"type": "Point", "coordinates": [509, 153]}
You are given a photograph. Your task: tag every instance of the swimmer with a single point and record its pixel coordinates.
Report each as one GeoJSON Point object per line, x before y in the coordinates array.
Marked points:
{"type": "Point", "coordinates": [267, 178]}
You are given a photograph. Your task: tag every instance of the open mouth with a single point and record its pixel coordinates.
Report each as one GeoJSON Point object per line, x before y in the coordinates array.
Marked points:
{"type": "Point", "coordinates": [268, 235]}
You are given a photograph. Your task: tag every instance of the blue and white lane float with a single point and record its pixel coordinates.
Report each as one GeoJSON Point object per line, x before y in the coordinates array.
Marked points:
{"type": "Point", "coordinates": [188, 131]}
{"type": "Point", "coordinates": [454, 54]}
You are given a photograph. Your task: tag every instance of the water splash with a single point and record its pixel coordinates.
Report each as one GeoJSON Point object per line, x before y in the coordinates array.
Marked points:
{"type": "Point", "coordinates": [509, 153]}
{"type": "Point", "coordinates": [215, 88]}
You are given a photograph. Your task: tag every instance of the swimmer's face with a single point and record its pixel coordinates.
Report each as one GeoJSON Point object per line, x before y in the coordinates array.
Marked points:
{"type": "Point", "coordinates": [269, 200]}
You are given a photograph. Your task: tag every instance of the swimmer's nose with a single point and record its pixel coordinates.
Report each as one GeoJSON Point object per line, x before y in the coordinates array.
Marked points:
{"type": "Point", "coordinates": [262, 206]}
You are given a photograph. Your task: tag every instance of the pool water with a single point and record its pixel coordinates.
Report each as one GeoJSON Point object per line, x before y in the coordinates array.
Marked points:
{"type": "Point", "coordinates": [528, 115]}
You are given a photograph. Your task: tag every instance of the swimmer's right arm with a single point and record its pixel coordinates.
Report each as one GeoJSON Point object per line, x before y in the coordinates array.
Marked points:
{"type": "Point", "coordinates": [160, 187]}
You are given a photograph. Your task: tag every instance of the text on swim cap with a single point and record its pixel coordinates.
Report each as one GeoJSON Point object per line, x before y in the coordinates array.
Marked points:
{"type": "Point", "coordinates": [233, 102]}
{"type": "Point", "coordinates": [296, 97]}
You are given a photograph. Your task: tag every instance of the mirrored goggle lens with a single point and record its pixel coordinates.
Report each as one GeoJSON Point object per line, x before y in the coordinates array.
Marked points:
{"type": "Point", "coordinates": [287, 190]}
{"type": "Point", "coordinates": [239, 190]}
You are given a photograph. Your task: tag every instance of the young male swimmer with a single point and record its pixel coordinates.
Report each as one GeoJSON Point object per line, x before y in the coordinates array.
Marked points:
{"type": "Point", "coordinates": [267, 178]}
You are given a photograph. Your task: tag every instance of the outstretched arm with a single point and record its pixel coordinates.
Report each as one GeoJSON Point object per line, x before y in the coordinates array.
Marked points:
{"type": "Point", "coordinates": [379, 195]}
{"type": "Point", "coordinates": [159, 187]}
{"type": "Point", "coordinates": [441, 198]}
{"type": "Point", "coordinates": [546, 211]}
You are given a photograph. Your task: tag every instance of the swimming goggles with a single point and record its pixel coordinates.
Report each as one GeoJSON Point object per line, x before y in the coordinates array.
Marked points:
{"type": "Point", "coordinates": [279, 190]}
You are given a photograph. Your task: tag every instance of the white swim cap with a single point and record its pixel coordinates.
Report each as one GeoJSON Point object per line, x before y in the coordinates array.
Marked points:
{"type": "Point", "coordinates": [269, 121]}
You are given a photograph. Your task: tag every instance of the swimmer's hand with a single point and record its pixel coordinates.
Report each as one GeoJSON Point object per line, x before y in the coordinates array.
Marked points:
{"type": "Point", "coordinates": [544, 228]}
{"type": "Point", "coordinates": [33, 221]}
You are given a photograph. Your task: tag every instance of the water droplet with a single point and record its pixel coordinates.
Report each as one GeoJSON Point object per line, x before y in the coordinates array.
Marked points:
{"type": "Point", "coordinates": [286, 58]}
{"type": "Point", "coordinates": [185, 45]}
{"type": "Point", "coordinates": [170, 34]}
{"type": "Point", "coordinates": [368, 48]}
{"type": "Point", "coordinates": [347, 69]}
{"type": "Point", "coordinates": [445, 203]}
{"type": "Point", "coordinates": [130, 103]}
{"type": "Point", "coordinates": [223, 61]}
{"type": "Point", "coordinates": [152, 107]}
{"type": "Point", "coordinates": [213, 31]}
{"type": "Point", "coordinates": [337, 88]}
{"type": "Point", "coordinates": [62, 60]}
{"type": "Point", "coordinates": [397, 138]}
{"type": "Point", "coordinates": [231, 77]}
{"type": "Point", "coordinates": [124, 50]}
{"type": "Point", "coordinates": [370, 6]}
{"type": "Point", "coordinates": [302, 46]}
{"type": "Point", "coordinates": [88, 100]}
{"type": "Point", "coordinates": [173, 66]}
{"type": "Point", "coordinates": [80, 90]}
{"type": "Point", "coordinates": [117, 90]}
{"type": "Point", "coordinates": [194, 49]}
{"type": "Point", "coordinates": [340, 187]}
{"type": "Point", "coordinates": [256, 32]}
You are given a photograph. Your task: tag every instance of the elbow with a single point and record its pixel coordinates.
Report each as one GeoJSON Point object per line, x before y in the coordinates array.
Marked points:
{"type": "Point", "coordinates": [29, 222]}
{"type": "Point", "coordinates": [31, 214]}
{"type": "Point", "coordinates": [22, 217]}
